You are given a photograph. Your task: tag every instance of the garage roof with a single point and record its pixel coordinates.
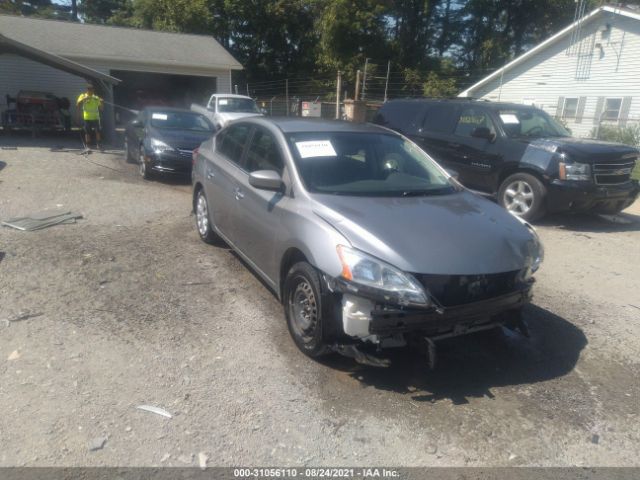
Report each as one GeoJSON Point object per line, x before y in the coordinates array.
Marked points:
{"type": "Point", "coordinates": [118, 44]}
{"type": "Point", "coordinates": [8, 45]}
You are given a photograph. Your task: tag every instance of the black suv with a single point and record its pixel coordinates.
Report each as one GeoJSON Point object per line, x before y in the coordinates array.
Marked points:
{"type": "Point", "coordinates": [518, 153]}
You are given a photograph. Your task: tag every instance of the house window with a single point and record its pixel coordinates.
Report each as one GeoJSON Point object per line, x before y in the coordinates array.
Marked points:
{"type": "Point", "coordinates": [570, 108]}
{"type": "Point", "coordinates": [612, 108]}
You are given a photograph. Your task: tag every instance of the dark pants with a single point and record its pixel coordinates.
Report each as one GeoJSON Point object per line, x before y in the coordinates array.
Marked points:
{"type": "Point", "coordinates": [92, 128]}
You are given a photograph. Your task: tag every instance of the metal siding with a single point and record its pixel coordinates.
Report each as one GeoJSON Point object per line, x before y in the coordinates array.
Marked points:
{"type": "Point", "coordinates": [551, 74]}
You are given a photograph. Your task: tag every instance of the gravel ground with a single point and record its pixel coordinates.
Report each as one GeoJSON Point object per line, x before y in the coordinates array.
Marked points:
{"type": "Point", "coordinates": [128, 307]}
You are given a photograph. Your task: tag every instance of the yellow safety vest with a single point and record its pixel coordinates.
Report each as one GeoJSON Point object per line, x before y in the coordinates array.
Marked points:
{"type": "Point", "coordinates": [90, 106]}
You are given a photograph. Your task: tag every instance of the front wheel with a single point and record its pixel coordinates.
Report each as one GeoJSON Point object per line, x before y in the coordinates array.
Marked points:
{"type": "Point", "coordinates": [523, 195]}
{"type": "Point", "coordinates": [303, 309]}
{"type": "Point", "coordinates": [143, 168]}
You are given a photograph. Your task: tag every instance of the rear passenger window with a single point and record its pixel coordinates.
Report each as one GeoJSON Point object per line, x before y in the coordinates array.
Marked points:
{"type": "Point", "coordinates": [440, 119]}
{"type": "Point", "coordinates": [404, 117]}
{"type": "Point", "coordinates": [472, 118]}
{"type": "Point", "coordinates": [233, 141]}
{"type": "Point", "coordinates": [264, 153]}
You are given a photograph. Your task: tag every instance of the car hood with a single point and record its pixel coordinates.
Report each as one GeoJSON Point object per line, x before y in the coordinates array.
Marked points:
{"type": "Point", "coordinates": [583, 149]}
{"type": "Point", "coordinates": [230, 116]}
{"type": "Point", "coordinates": [457, 234]}
{"type": "Point", "coordinates": [183, 139]}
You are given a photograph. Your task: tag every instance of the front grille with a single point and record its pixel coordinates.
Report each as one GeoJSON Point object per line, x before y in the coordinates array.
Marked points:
{"type": "Point", "coordinates": [451, 290]}
{"type": "Point", "coordinates": [612, 173]}
{"type": "Point", "coordinates": [185, 153]}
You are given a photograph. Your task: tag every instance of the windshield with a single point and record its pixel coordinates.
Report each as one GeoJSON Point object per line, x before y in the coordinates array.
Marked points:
{"type": "Point", "coordinates": [241, 105]}
{"type": "Point", "coordinates": [180, 121]}
{"type": "Point", "coordinates": [530, 123]}
{"type": "Point", "coordinates": [366, 164]}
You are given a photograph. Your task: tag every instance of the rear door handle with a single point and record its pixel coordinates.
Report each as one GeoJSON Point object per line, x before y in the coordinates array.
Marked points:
{"type": "Point", "coordinates": [239, 194]}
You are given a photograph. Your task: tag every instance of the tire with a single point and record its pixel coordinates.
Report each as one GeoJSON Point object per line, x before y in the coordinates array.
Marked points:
{"type": "Point", "coordinates": [303, 310]}
{"type": "Point", "coordinates": [523, 195]}
{"type": "Point", "coordinates": [203, 219]}
{"type": "Point", "coordinates": [143, 169]}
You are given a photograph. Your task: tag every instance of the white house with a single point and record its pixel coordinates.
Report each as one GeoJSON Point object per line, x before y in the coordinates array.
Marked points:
{"type": "Point", "coordinates": [586, 74]}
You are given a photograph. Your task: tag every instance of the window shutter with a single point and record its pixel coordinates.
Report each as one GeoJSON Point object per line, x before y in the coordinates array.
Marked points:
{"type": "Point", "coordinates": [560, 107]}
{"type": "Point", "coordinates": [624, 111]}
{"type": "Point", "coordinates": [580, 112]}
{"type": "Point", "coordinates": [599, 107]}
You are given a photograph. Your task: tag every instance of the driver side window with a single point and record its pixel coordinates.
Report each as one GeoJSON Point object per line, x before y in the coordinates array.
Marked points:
{"type": "Point", "coordinates": [471, 118]}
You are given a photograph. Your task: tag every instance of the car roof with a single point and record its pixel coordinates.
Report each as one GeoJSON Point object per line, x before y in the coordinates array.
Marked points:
{"type": "Point", "coordinates": [458, 101]}
{"type": "Point", "coordinates": [230, 95]}
{"type": "Point", "coordinates": [303, 125]}
{"type": "Point", "coordinates": [169, 109]}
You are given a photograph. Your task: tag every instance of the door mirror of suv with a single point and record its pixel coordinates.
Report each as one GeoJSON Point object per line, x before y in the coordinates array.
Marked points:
{"type": "Point", "coordinates": [266, 180]}
{"type": "Point", "coordinates": [483, 132]}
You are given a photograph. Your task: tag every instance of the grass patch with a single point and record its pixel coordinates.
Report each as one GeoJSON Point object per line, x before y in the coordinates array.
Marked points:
{"type": "Point", "coordinates": [636, 172]}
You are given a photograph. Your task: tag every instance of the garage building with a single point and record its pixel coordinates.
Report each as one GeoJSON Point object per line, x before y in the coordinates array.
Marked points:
{"type": "Point", "coordinates": [153, 67]}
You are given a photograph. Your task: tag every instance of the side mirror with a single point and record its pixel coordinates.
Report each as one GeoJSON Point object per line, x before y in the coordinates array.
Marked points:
{"type": "Point", "coordinates": [483, 132]}
{"type": "Point", "coordinates": [266, 180]}
{"type": "Point", "coordinates": [454, 174]}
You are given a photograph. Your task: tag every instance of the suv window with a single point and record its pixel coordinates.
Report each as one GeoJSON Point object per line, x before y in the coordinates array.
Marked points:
{"type": "Point", "coordinates": [440, 119]}
{"type": "Point", "coordinates": [404, 117]}
{"type": "Point", "coordinates": [264, 153]}
{"type": "Point", "coordinates": [471, 118]}
{"type": "Point", "coordinates": [232, 143]}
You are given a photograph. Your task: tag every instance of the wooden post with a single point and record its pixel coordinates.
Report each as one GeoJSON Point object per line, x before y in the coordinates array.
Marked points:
{"type": "Point", "coordinates": [287, 94]}
{"type": "Point", "coordinates": [357, 95]}
{"type": "Point", "coordinates": [338, 87]}
{"type": "Point", "coordinates": [386, 84]}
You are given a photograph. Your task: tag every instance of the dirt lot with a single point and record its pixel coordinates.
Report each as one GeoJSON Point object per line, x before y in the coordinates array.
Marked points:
{"type": "Point", "coordinates": [129, 307]}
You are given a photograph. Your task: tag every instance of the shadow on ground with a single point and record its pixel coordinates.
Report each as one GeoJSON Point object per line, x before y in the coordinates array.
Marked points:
{"type": "Point", "coordinates": [470, 366]}
{"type": "Point", "coordinates": [622, 222]}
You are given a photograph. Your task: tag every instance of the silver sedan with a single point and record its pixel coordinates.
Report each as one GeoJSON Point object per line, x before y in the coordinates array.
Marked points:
{"type": "Point", "coordinates": [364, 238]}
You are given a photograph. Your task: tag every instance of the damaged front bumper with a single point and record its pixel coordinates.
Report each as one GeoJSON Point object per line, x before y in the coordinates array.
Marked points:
{"type": "Point", "coordinates": [367, 318]}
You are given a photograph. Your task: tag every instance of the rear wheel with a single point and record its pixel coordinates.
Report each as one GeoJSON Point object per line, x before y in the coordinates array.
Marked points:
{"type": "Point", "coordinates": [203, 221]}
{"type": "Point", "coordinates": [523, 195]}
{"type": "Point", "coordinates": [303, 309]}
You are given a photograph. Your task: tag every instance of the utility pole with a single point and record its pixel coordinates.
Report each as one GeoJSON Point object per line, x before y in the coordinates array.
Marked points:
{"type": "Point", "coordinates": [338, 87]}
{"type": "Point", "coordinates": [386, 84]}
{"type": "Point", "coordinates": [364, 79]}
{"type": "Point", "coordinates": [286, 87]}
{"type": "Point", "coordinates": [357, 95]}
{"type": "Point", "coordinates": [248, 90]}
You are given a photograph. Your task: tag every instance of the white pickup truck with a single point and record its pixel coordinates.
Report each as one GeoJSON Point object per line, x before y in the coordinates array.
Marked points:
{"type": "Point", "coordinates": [225, 107]}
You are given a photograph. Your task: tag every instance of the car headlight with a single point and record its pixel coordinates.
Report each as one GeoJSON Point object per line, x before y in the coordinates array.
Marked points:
{"type": "Point", "coordinates": [159, 147]}
{"type": "Point", "coordinates": [536, 249]}
{"type": "Point", "coordinates": [392, 284]}
{"type": "Point", "coordinates": [575, 171]}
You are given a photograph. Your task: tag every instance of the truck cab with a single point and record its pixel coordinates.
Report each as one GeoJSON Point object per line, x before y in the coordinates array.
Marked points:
{"type": "Point", "coordinates": [225, 107]}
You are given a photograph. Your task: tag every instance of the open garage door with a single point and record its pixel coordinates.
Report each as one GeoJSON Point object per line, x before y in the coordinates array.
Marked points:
{"type": "Point", "coordinates": [143, 89]}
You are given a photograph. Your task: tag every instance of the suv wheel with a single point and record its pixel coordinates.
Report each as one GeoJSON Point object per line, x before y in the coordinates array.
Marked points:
{"type": "Point", "coordinates": [523, 195]}
{"type": "Point", "coordinates": [203, 221]}
{"type": "Point", "coordinates": [303, 309]}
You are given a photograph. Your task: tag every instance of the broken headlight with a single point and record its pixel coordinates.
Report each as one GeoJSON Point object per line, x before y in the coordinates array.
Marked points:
{"type": "Point", "coordinates": [392, 284]}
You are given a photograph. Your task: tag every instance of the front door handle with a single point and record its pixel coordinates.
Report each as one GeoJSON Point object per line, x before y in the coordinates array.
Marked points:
{"type": "Point", "coordinates": [210, 175]}
{"type": "Point", "coordinates": [239, 194]}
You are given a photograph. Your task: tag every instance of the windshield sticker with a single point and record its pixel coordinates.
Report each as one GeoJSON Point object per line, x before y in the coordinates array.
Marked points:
{"type": "Point", "coordinates": [223, 101]}
{"type": "Point", "coordinates": [316, 148]}
{"type": "Point", "coordinates": [509, 118]}
{"type": "Point", "coordinates": [159, 116]}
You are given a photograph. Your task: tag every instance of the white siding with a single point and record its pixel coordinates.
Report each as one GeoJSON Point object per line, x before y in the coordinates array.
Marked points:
{"type": "Point", "coordinates": [19, 73]}
{"type": "Point", "coordinates": [551, 73]}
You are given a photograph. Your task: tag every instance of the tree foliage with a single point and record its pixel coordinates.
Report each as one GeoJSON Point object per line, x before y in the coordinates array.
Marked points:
{"type": "Point", "coordinates": [436, 45]}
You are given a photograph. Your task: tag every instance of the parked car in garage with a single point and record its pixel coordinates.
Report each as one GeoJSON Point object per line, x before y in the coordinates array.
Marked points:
{"type": "Point", "coordinates": [364, 238]}
{"type": "Point", "coordinates": [162, 139]}
{"type": "Point", "coordinates": [223, 108]}
{"type": "Point", "coordinates": [519, 154]}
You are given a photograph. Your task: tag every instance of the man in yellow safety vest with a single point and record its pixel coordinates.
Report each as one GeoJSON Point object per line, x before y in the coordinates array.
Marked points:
{"type": "Point", "coordinates": [91, 105]}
